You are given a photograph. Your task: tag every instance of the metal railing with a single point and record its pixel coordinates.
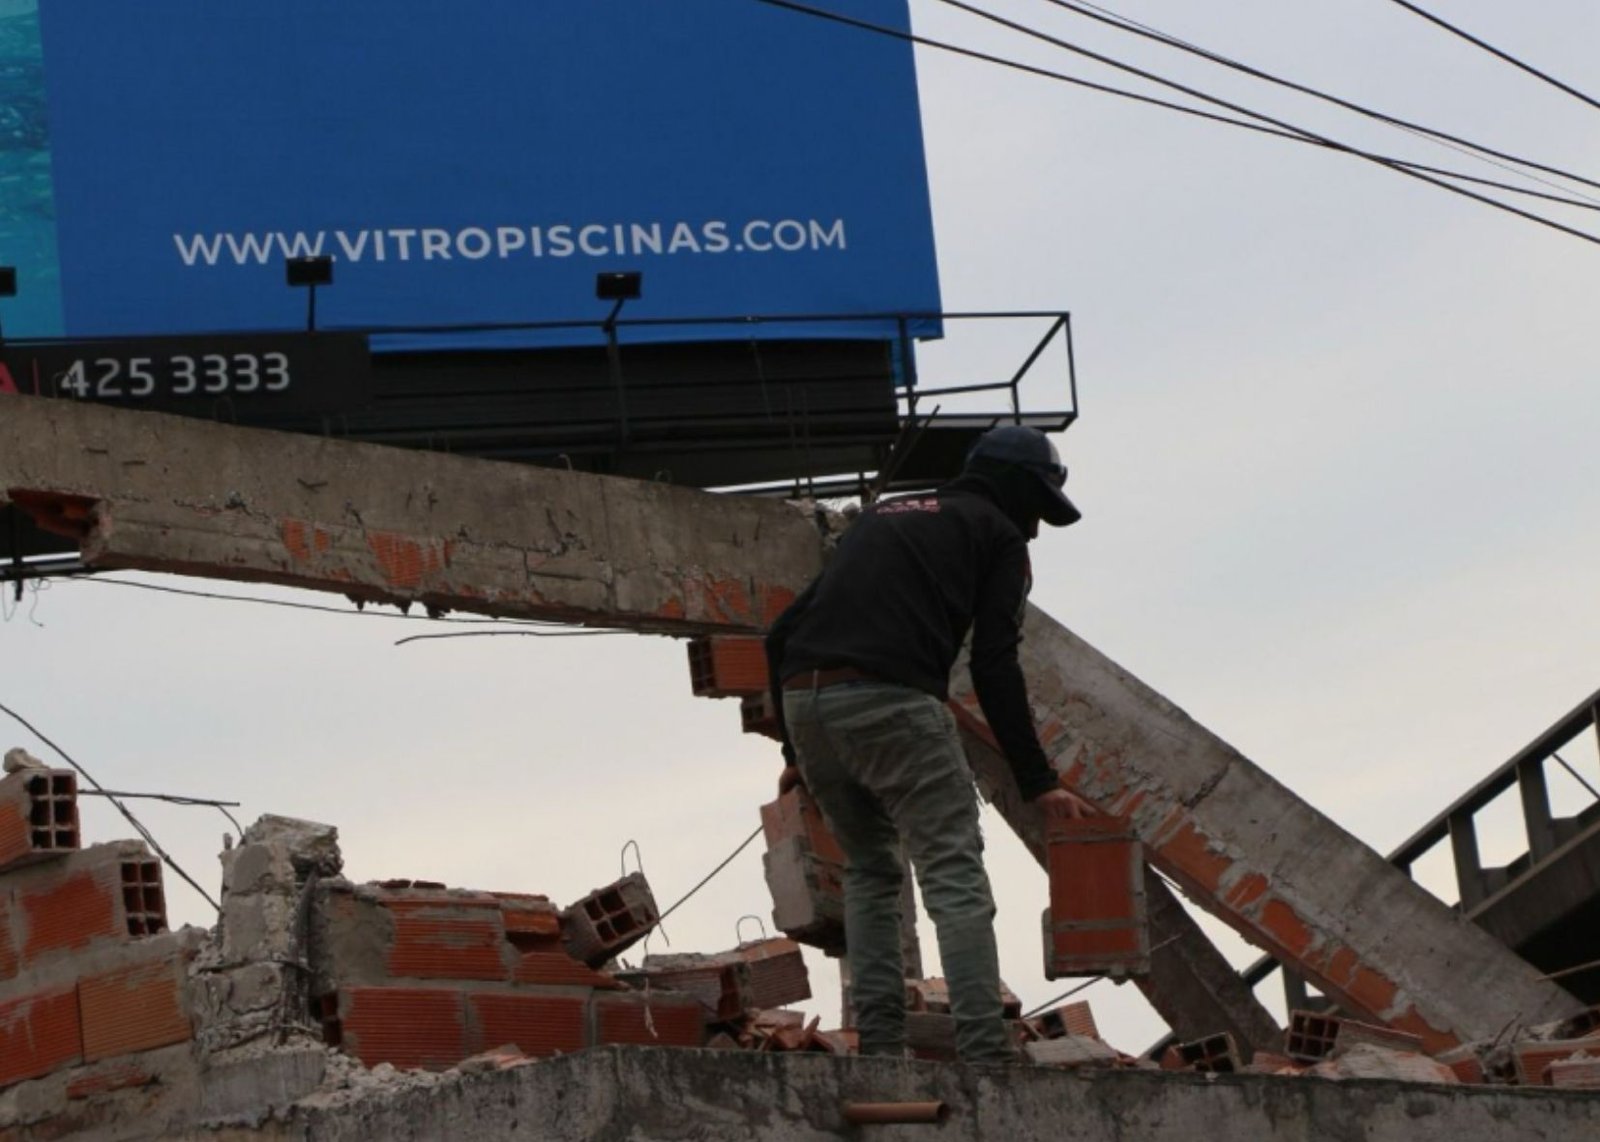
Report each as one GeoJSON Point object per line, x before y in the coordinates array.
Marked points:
{"type": "Point", "coordinates": [1477, 885]}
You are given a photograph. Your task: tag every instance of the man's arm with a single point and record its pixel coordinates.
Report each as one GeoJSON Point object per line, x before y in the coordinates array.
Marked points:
{"type": "Point", "coordinates": [777, 638]}
{"type": "Point", "coordinates": [997, 676]}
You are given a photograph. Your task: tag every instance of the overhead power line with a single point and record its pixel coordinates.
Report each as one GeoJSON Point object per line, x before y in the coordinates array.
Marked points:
{"type": "Point", "coordinates": [1494, 51]}
{"type": "Point", "coordinates": [1153, 101]}
{"type": "Point", "coordinates": [115, 800]}
{"type": "Point", "coordinates": [1379, 160]}
{"type": "Point", "coordinates": [1455, 142]}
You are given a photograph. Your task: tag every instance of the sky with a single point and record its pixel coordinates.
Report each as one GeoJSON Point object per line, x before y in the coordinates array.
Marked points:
{"type": "Point", "coordinates": [1336, 459]}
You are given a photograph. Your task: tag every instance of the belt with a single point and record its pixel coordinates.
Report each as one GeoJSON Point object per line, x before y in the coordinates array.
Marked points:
{"type": "Point", "coordinates": [827, 676]}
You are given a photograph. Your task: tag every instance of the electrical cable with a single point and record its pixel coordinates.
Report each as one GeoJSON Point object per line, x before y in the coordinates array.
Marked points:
{"type": "Point", "coordinates": [149, 838]}
{"type": "Point", "coordinates": [1290, 133]}
{"type": "Point", "coordinates": [172, 799]}
{"type": "Point", "coordinates": [1455, 142]}
{"type": "Point", "coordinates": [705, 880]}
{"type": "Point", "coordinates": [1068, 994]}
{"type": "Point", "coordinates": [509, 633]}
{"type": "Point", "coordinates": [1066, 45]}
{"type": "Point", "coordinates": [318, 607]}
{"type": "Point", "coordinates": [1494, 51]}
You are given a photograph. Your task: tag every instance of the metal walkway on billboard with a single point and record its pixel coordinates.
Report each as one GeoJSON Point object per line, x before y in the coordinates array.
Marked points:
{"type": "Point", "coordinates": [821, 404]}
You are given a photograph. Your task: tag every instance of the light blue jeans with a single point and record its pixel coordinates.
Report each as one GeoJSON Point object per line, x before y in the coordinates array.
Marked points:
{"type": "Point", "coordinates": [885, 764]}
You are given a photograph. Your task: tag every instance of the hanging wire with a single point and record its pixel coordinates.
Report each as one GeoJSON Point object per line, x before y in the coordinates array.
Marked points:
{"type": "Point", "coordinates": [138, 825]}
{"type": "Point", "coordinates": [705, 880]}
{"type": "Point", "coordinates": [1279, 130]}
{"type": "Point", "coordinates": [173, 799]}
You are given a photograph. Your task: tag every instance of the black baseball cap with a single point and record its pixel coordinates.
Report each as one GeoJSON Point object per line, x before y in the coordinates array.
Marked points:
{"type": "Point", "coordinates": [1031, 450]}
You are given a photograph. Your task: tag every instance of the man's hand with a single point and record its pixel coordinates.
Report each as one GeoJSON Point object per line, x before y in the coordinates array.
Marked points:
{"type": "Point", "coordinates": [790, 779]}
{"type": "Point", "coordinates": [1064, 803]}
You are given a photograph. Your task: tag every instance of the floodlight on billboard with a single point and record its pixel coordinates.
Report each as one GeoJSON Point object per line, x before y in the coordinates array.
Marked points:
{"type": "Point", "coordinates": [468, 164]}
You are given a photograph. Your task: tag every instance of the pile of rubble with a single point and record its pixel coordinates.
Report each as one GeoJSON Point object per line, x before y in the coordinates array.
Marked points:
{"type": "Point", "coordinates": [1321, 1045]}
{"type": "Point", "coordinates": [313, 988]}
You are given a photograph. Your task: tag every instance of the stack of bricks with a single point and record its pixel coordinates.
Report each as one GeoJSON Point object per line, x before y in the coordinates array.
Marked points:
{"type": "Point", "coordinates": [422, 976]}
{"type": "Point", "coordinates": [93, 988]}
{"type": "Point", "coordinates": [805, 872]}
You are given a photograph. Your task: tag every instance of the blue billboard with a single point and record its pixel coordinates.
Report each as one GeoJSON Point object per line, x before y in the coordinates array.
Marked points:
{"type": "Point", "coordinates": [472, 162]}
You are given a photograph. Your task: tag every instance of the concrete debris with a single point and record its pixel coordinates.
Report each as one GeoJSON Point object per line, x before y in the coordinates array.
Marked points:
{"type": "Point", "coordinates": [1071, 1051]}
{"type": "Point", "coordinates": [1368, 1061]}
{"type": "Point", "coordinates": [317, 996]}
{"type": "Point", "coordinates": [19, 759]}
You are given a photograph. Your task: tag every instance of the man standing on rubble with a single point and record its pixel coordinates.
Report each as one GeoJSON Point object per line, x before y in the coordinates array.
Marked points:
{"type": "Point", "coordinates": [860, 664]}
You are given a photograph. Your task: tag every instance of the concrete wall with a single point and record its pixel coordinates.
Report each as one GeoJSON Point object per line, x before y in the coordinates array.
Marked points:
{"type": "Point", "coordinates": [652, 1095]}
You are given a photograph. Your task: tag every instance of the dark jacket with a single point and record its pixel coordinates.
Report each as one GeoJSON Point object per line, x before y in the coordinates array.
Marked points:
{"type": "Point", "coordinates": [910, 577]}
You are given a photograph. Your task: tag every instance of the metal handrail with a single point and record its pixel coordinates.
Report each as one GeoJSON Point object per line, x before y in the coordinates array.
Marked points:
{"type": "Point", "coordinates": [1513, 772]}
{"type": "Point", "coordinates": [1536, 753]}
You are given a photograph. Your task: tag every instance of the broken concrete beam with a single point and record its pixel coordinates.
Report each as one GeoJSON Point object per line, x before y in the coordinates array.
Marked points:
{"type": "Point", "coordinates": [167, 493]}
{"type": "Point", "coordinates": [609, 920]}
{"type": "Point", "coordinates": [727, 666]}
{"type": "Point", "coordinates": [1096, 923]}
{"type": "Point", "coordinates": [38, 815]}
{"type": "Point", "coordinates": [1248, 850]}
